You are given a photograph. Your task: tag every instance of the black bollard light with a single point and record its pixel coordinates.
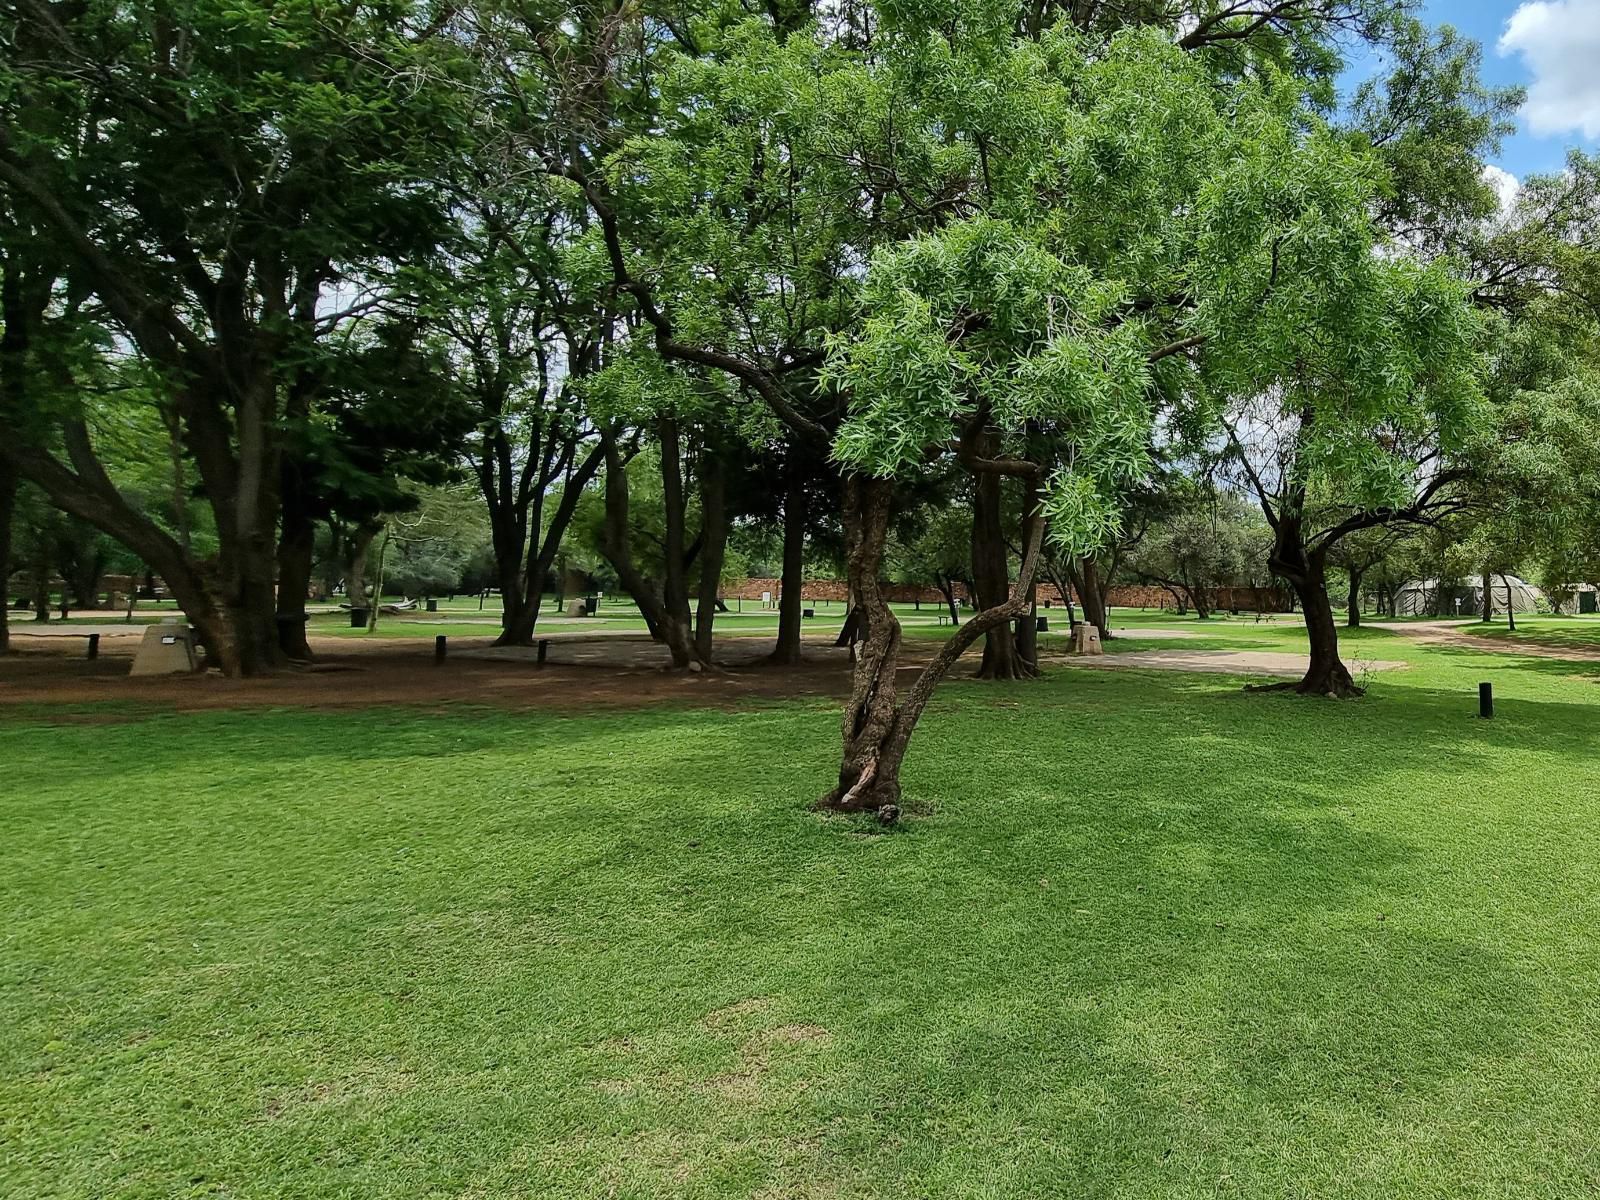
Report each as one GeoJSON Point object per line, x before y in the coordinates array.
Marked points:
{"type": "Point", "coordinates": [94, 645]}
{"type": "Point", "coordinates": [1485, 700]}
{"type": "Point", "coordinates": [438, 649]}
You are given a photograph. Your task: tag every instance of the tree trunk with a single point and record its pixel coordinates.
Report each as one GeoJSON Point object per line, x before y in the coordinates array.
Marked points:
{"type": "Point", "coordinates": [1353, 611]}
{"type": "Point", "coordinates": [947, 585]}
{"type": "Point", "coordinates": [878, 722]}
{"type": "Point", "coordinates": [519, 632]}
{"type": "Point", "coordinates": [665, 610]}
{"type": "Point", "coordinates": [508, 539]}
{"type": "Point", "coordinates": [991, 578]}
{"type": "Point", "coordinates": [1511, 605]}
{"type": "Point", "coordinates": [8, 507]}
{"type": "Point", "coordinates": [41, 587]}
{"type": "Point", "coordinates": [355, 575]}
{"type": "Point", "coordinates": [297, 544]}
{"type": "Point", "coordinates": [713, 545]}
{"type": "Point", "coordinates": [1306, 572]}
{"type": "Point", "coordinates": [1092, 597]}
{"type": "Point", "coordinates": [791, 589]}
{"type": "Point", "coordinates": [1028, 626]}
{"type": "Point", "coordinates": [1487, 596]}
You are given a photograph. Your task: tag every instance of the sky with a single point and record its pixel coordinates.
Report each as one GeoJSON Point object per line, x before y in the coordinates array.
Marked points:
{"type": "Point", "coordinates": [1550, 47]}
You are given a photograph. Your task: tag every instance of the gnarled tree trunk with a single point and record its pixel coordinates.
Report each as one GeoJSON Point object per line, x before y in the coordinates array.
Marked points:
{"type": "Point", "coordinates": [878, 719]}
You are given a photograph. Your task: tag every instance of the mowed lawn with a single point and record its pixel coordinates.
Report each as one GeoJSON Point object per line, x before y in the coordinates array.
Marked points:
{"type": "Point", "coordinates": [1151, 936]}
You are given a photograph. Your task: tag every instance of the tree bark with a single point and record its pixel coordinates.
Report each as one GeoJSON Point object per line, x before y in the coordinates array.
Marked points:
{"type": "Point", "coordinates": [1306, 572]}
{"type": "Point", "coordinates": [791, 588]}
{"type": "Point", "coordinates": [520, 627]}
{"type": "Point", "coordinates": [1511, 605]}
{"type": "Point", "coordinates": [991, 578]}
{"type": "Point", "coordinates": [878, 722]}
{"type": "Point", "coordinates": [1027, 626]}
{"type": "Point", "coordinates": [1092, 596]}
{"type": "Point", "coordinates": [297, 543]}
{"type": "Point", "coordinates": [1487, 597]}
{"type": "Point", "coordinates": [355, 575]}
{"type": "Point", "coordinates": [713, 545]}
{"type": "Point", "coordinates": [8, 507]}
{"type": "Point", "coordinates": [665, 610]}
{"type": "Point", "coordinates": [1353, 611]}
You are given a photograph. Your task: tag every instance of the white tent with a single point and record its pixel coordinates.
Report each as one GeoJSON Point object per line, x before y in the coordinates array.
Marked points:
{"type": "Point", "coordinates": [1430, 598]}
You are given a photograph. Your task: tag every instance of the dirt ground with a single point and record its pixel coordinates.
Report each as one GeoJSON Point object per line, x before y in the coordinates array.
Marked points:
{"type": "Point", "coordinates": [580, 672]}
{"type": "Point", "coordinates": [356, 673]}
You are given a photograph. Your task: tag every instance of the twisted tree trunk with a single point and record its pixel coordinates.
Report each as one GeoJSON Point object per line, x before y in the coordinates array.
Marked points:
{"type": "Point", "coordinates": [878, 719]}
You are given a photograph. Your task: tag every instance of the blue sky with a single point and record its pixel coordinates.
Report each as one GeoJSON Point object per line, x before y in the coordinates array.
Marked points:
{"type": "Point", "coordinates": [1552, 47]}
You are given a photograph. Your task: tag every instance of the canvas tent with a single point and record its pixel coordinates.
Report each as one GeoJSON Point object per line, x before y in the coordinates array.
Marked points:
{"type": "Point", "coordinates": [1431, 598]}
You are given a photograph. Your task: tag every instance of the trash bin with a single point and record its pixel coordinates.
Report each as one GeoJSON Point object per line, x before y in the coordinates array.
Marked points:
{"type": "Point", "coordinates": [591, 605]}
{"type": "Point", "coordinates": [358, 617]}
{"type": "Point", "coordinates": [433, 606]}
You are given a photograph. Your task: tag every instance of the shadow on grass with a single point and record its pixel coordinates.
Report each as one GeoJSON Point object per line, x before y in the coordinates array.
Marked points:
{"type": "Point", "coordinates": [1153, 929]}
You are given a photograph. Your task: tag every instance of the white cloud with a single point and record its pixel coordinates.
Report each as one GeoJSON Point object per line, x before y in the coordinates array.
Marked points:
{"type": "Point", "coordinates": [1505, 185]}
{"type": "Point", "coordinates": [1559, 41]}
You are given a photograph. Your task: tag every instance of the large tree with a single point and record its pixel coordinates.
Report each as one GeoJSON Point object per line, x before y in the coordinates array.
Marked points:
{"type": "Point", "coordinates": [209, 175]}
{"type": "Point", "coordinates": [1143, 216]}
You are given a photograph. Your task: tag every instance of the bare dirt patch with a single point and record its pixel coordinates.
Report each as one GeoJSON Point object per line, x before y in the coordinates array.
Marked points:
{"type": "Point", "coordinates": [351, 673]}
{"type": "Point", "coordinates": [1225, 662]}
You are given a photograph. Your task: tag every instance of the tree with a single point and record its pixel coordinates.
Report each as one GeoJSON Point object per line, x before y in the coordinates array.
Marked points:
{"type": "Point", "coordinates": [1032, 344]}
{"type": "Point", "coordinates": [257, 155]}
{"type": "Point", "coordinates": [1204, 543]}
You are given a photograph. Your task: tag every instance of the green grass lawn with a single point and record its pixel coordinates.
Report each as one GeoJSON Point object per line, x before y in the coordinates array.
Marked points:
{"type": "Point", "coordinates": [1151, 937]}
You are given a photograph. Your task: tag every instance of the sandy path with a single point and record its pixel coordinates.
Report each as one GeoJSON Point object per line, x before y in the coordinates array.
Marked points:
{"type": "Point", "coordinates": [1225, 662]}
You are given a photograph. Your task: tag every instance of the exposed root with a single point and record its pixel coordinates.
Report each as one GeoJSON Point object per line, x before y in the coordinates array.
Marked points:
{"type": "Point", "coordinates": [1302, 688]}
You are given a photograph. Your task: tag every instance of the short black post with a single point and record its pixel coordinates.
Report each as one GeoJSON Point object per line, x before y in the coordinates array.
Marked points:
{"type": "Point", "coordinates": [438, 649]}
{"type": "Point", "coordinates": [1485, 700]}
{"type": "Point", "coordinates": [544, 648]}
{"type": "Point", "coordinates": [94, 645]}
